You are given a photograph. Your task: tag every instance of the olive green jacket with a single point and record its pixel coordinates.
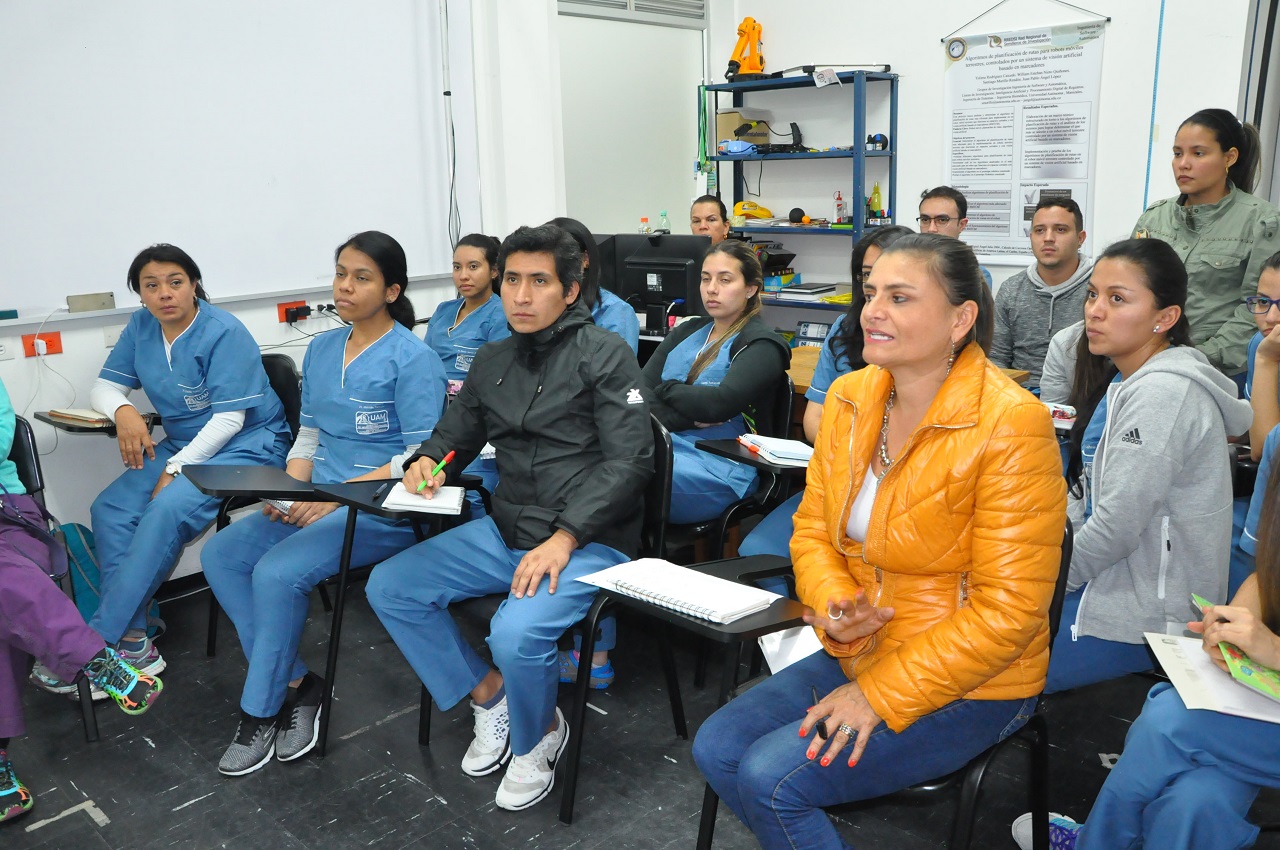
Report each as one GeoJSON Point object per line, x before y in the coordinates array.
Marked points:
{"type": "Point", "coordinates": [1223, 246]}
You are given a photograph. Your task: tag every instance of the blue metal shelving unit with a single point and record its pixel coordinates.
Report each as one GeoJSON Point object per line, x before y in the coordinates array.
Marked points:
{"type": "Point", "coordinates": [857, 82]}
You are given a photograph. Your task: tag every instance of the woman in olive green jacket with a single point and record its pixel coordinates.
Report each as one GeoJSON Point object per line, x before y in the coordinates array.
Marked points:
{"type": "Point", "coordinates": [1222, 232]}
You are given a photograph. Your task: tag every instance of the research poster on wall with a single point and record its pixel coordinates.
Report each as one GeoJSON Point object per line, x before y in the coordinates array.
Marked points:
{"type": "Point", "coordinates": [1021, 124]}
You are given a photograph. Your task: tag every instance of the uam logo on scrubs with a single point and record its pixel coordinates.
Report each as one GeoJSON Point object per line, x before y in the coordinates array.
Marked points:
{"type": "Point", "coordinates": [197, 401]}
{"type": "Point", "coordinates": [634, 397]}
{"type": "Point", "coordinates": [372, 421]}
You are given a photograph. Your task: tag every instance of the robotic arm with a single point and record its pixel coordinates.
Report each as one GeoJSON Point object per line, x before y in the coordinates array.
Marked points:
{"type": "Point", "coordinates": [746, 63]}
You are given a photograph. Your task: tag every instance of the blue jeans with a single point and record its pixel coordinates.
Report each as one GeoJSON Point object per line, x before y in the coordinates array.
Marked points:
{"type": "Point", "coordinates": [411, 594]}
{"type": "Point", "coordinates": [1186, 779]}
{"type": "Point", "coordinates": [138, 538]}
{"type": "Point", "coordinates": [1076, 662]}
{"type": "Point", "coordinates": [751, 754]}
{"type": "Point", "coordinates": [263, 573]}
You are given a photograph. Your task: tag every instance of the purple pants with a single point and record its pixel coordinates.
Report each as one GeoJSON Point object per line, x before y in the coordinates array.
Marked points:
{"type": "Point", "coordinates": [36, 617]}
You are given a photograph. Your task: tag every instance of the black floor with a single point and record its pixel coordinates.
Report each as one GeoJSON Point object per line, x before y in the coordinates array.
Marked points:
{"type": "Point", "coordinates": [152, 782]}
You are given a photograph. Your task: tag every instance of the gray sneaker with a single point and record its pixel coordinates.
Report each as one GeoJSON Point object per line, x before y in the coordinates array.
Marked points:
{"type": "Point", "coordinates": [299, 736]}
{"type": "Point", "coordinates": [253, 747]}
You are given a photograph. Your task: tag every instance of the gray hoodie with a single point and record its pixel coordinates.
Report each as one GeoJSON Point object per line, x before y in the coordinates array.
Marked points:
{"type": "Point", "coordinates": [1161, 486]}
{"type": "Point", "coordinates": [1029, 312]}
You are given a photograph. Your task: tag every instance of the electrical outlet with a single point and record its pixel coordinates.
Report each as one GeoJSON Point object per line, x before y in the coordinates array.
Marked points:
{"type": "Point", "coordinates": [285, 305]}
{"type": "Point", "coordinates": [52, 343]}
{"type": "Point", "coordinates": [111, 335]}
{"type": "Point", "coordinates": [6, 349]}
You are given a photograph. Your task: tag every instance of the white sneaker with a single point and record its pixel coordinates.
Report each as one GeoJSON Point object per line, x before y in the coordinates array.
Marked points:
{"type": "Point", "coordinates": [1063, 836]}
{"type": "Point", "coordinates": [530, 777]}
{"type": "Point", "coordinates": [491, 746]}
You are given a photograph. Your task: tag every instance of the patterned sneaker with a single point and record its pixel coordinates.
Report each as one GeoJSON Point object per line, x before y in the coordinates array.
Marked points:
{"type": "Point", "coordinates": [15, 799]}
{"type": "Point", "coordinates": [299, 736]}
{"type": "Point", "coordinates": [1062, 832]}
{"type": "Point", "coordinates": [133, 690]}
{"type": "Point", "coordinates": [601, 677]}
{"type": "Point", "coordinates": [253, 747]}
{"type": "Point", "coordinates": [491, 746]}
{"type": "Point", "coordinates": [530, 777]}
{"type": "Point", "coordinates": [145, 658]}
{"type": "Point", "coordinates": [42, 677]}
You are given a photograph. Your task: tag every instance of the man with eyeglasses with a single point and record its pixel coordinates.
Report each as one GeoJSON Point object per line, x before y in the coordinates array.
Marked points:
{"type": "Point", "coordinates": [945, 211]}
{"type": "Point", "coordinates": [1262, 381]}
{"type": "Point", "coordinates": [1048, 295]}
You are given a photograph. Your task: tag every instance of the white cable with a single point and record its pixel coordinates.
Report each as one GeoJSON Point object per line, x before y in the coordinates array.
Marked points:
{"type": "Point", "coordinates": [36, 392]}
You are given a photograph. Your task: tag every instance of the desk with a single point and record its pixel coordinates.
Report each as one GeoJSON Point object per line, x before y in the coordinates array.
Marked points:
{"type": "Point", "coordinates": [249, 481]}
{"type": "Point", "coordinates": [356, 496]}
{"type": "Point", "coordinates": [733, 450]}
{"type": "Point", "coordinates": [108, 428]}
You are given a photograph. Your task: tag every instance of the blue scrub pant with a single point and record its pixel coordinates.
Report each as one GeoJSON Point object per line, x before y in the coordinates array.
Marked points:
{"type": "Point", "coordinates": [1242, 563]}
{"type": "Point", "coordinates": [703, 484]}
{"type": "Point", "coordinates": [263, 573]}
{"type": "Point", "coordinates": [138, 538]}
{"type": "Point", "coordinates": [1186, 779]}
{"type": "Point", "coordinates": [411, 594]}
{"type": "Point", "coordinates": [750, 752]}
{"type": "Point", "coordinates": [772, 536]}
{"type": "Point", "coordinates": [1074, 663]}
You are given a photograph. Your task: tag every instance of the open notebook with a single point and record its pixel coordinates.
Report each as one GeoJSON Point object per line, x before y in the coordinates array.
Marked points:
{"type": "Point", "coordinates": [777, 450]}
{"type": "Point", "coordinates": [1202, 684]}
{"type": "Point", "coordinates": [682, 589]}
{"type": "Point", "coordinates": [447, 500]}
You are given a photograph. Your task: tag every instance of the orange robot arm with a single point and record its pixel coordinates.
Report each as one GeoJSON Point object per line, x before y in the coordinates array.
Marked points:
{"type": "Point", "coordinates": [746, 58]}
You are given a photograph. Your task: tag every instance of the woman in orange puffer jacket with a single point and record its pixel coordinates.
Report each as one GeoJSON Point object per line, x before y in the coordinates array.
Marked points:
{"type": "Point", "coordinates": [926, 545]}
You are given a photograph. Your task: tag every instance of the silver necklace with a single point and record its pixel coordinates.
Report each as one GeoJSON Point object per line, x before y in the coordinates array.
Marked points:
{"type": "Point", "coordinates": [885, 460]}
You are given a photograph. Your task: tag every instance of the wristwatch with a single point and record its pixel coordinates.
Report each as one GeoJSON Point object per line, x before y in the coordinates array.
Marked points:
{"type": "Point", "coordinates": [173, 469]}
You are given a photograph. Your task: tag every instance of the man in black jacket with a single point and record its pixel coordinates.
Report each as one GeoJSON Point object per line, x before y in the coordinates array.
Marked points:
{"type": "Point", "coordinates": [563, 402]}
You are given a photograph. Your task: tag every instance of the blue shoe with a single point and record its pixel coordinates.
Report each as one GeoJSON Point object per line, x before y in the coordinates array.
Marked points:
{"type": "Point", "coordinates": [601, 677]}
{"type": "Point", "coordinates": [15, 799]}
{"type": "Point", "coordinates": [1062, 832]}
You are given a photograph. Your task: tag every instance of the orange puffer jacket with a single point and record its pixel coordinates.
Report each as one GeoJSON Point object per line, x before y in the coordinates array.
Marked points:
{"type": "Point", "coordinates": [964, 540]}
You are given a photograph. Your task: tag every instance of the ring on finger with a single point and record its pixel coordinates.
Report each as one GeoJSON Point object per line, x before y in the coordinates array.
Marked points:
{"type": "Point", "coordinates": [848, 731]}
{"type": "Point", "coordinates": [831, 616]}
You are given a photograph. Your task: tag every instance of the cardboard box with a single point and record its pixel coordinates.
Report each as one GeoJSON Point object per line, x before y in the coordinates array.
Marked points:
{"type": "Point", "coordinates": [728, 120]}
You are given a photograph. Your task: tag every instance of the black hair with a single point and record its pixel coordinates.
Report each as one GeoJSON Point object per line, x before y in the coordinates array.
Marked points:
{"type": "Point", "coordinates": [546, 239]}
{"type": "Point", "coordinates": [1166, 277]}
{"type": "Point", "coordinates": [1272, 263]}
{"type": "Point", "coordinates": [389, 257]}
{"type": "Point", "coordinates": [954, 266]}
{"type": "Point", "coordinates": [590, 253]}
{"type": "Point", "coordinates": [489, 246]}
{"type": "Point", "coordinates": [712, 199]}
{"type": "Point", "coordinates": [962, 204]}
{"type": "Point", "coordinates": [1230, 133]}
{"type": "Point", "coordinates": [849, 342]}
{"type": "Point", "coordinates": [163, 252]}
{"type": "Point", "coordinates": [1064, 203]}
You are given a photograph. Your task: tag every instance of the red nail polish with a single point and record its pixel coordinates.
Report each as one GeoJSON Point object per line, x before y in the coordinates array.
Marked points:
{"type": "Point", "coordinates": [825, 761]}
{"type": "Point", "coordinates": [809, 755]}
{"type": "Point", "coordinates": [853, 763]}
{"type": "Point", "coordinates": [802, 733]}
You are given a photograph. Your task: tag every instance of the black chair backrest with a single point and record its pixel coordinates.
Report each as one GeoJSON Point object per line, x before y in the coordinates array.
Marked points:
{"type": "Point", "coordinates": [25, 457]}
{"type": "Point", "coordinates": [283, 376]}
{"type": "Point", "coordinates": [657, 496]}
{"type": "Point", "coordinates": [775, 420]}
{"type": "Point", "coordinates": [1060, 586]}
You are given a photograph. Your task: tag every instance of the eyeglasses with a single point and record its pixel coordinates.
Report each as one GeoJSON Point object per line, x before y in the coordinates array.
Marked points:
{"type": "Point", "coordinates": [1260, 303]}
{"type": "Point", "coordinates": [941, 220]}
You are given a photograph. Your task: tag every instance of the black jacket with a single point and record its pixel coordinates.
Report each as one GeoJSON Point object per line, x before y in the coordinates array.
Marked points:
{"type": "Point", "coordinates": [758, 357]}
{"type": "Point", "coordinates": [566, 410]}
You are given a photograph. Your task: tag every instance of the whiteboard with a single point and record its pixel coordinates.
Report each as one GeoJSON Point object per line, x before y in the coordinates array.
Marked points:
{"type": "Point", "coordinates": [255, 136]}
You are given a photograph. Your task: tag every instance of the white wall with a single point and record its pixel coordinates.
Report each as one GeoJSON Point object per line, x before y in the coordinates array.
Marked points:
{"type": "Point", "coordinates": [1200, 67]}
{"type": "Point", "coordinates": [630, 140]}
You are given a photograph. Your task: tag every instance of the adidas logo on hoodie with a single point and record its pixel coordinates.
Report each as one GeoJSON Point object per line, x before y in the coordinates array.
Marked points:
{"type": "Point", "coordinates": [1132, 437]}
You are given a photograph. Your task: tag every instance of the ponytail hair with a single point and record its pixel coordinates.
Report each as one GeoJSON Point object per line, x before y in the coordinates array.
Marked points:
{"type": "Point", "coordinates": [752, 275]}
{"type": "Point", "coordinates": [1230, 133]}
{"type": "Point", "coordinates": [487, 245]}
{"type": "Point", "coordinates": [389, 257]}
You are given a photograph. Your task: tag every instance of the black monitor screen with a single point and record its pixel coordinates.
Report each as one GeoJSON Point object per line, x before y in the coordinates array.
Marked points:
{"type": "Point", "coordinates": [656, 269]}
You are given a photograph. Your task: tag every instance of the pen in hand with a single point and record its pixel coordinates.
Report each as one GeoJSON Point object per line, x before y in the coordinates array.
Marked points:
{"type": "Point", "coordinates": [435, 472]}
{"type": "Point", "coordinates": [821, 725]}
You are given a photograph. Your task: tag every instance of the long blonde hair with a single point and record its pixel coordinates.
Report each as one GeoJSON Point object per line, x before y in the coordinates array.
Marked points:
{"type": "Point", "coordinates": [752, 274]}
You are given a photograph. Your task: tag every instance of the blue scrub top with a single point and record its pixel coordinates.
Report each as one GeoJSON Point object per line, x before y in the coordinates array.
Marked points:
{"type": "Point", "coordinates": [1089, 445]}
{"type": "Point", "coordinates": [677, 366]}
{"type": "Point", "coordinates": [1249, 538]}
{"type": "Point", "coordinates": [829, 365]}
{"type": "Point", "coordinates": [214, 366]}
{"type": "Point", "coordinates": [1253, 354]}
{"type": "Point", "coordinates": [614, 314]}
{"type": "Point", "coordinates": [387, 398]}
{"type": "Point", "coordinates": [457, 346]}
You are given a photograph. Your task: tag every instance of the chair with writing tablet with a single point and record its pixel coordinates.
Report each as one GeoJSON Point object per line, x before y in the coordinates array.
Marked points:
{"type": "Point", "coordinates": [969, 778]}
{"type": "Point", "coordinates": [26, 458]}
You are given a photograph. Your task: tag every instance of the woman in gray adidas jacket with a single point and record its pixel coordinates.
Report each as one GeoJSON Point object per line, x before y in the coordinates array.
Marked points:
{"type": "Point", "coordinates": [1153, 514]}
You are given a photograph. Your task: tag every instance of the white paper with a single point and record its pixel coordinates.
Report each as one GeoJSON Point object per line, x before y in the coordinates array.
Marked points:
{"type": "Point", "coordinates": [1203, 684]}
{"type": "Point", "coordinates": [784, 648]}
{"type": "Point", "coordinates": [447, 500]}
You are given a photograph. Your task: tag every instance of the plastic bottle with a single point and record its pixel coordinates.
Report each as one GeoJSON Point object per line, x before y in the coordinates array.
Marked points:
{"type": "Point", "coordinates": [664, 223]}
{"type": "Point", "coordinates": [877, 206]}
{"type": "Point", "coordinates": [644, 225]}
{"type": "Point", "coordinates": [839, 209]}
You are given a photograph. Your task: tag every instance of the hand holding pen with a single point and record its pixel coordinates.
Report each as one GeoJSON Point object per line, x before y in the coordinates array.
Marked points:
{"type": "Point", "coordinates": [425, 476]}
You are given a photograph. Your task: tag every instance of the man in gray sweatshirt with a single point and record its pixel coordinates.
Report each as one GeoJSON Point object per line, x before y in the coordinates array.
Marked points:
{"type": "Point", "coordinates": [1048, 296]}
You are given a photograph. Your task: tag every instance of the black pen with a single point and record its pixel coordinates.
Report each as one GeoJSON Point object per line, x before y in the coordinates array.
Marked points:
{"type": "Point", "coordinates": [821, 725]}
{"type": "Point", "coordinates": [377, 494]}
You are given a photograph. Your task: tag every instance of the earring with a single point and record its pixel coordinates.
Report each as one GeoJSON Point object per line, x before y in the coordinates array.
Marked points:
{"type": "Point", "coordinates": [1156, 329]}
{"type": "Point", "coordinates": [951, 359]}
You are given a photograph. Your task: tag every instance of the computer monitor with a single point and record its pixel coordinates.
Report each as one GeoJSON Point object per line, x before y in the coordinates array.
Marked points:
{"type": "Point", "coordinates": [655, 269]}
{"type": "Point", "coordinates": [608, 262]}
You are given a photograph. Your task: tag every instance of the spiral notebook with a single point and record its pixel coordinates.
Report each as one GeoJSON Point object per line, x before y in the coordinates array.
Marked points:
{"type": "Point", "coordinates": [447, 500]}
{"type": "Point", "coordinates": [682, 589]}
